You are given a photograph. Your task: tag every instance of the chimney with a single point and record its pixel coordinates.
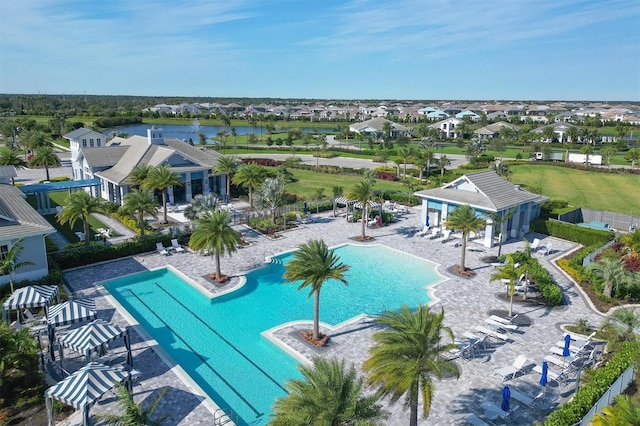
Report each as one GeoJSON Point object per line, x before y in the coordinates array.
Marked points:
{"type": "Point", "coordinates": [154, 136]}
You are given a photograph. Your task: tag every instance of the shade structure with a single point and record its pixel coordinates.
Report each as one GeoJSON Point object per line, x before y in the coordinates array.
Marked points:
{"type": "Point", "coordinates": [69, 312]}
{"type": "Point", "coordinates": [370, 204]}
{"type": "Point", "coordinates": [545, 373]}
{"type": "Point", "coordinates": [567, 343]}
{"type": "Point", "coordinates": [33, 296]}
{"type": "Point", "coordinates": [506, 396]}
{"type": "Point", "coordinates": [84, 388]}
{"type": "Point", "coordinates": [93, 335]}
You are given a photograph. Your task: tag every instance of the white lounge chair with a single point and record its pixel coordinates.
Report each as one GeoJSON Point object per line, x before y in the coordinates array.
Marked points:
{"type": "Point", "coordinates": [299, 219]}
{"type": "Point", "coordinates": [474, 420]}
{"type": "Point", "coordinates": [503, 320]}
{"type": "Point", "coordinates": [309, 218]}
{"type": "Point", "coordinates": [493, 411]}
{"type": "Point", "coordinates": [176, 247]}
{"type": "Point", "coordinates": [535, 244]}
{"type": "Point", "coordinates": [509, 327]}
{"type": "Point", "coordinates": [435, 233]}
{"type": "Point", "coordinates": [422, 233]}
{"type": "Point", "coordinates": [161, 249]}
{"type": "Point", "coordinates": [491, 333]}
{"type": "Point", "coordinates": [547, 249]}
{"type": "Point", "coordinates": [524, 399]}
{"type": "Point", "coordinates": [510, 371]}
{"type": "Point", "coordinates": [446, 235]}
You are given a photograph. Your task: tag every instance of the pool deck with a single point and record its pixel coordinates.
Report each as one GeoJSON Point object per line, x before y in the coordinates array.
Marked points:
{"type": "Point", "coordinates": [466, 303]}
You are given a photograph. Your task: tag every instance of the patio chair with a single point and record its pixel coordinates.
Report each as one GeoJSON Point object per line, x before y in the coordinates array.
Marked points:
{"type": "Point", "coordinates": [547, 249]}
{"type": "Point", "coordinates": [524, 399]}
{"type": "Point", "coordinates": [503, 320]}
{"type": "Point", "coordinates": [176, 247]}
{"type": "Point", "coordinates": [510, 371]}
{"type": "Point", "coordinates": [299, 219]}
{"type": "Point", "coordinates": [161, 249]}
{"type": "Point", "coordinates": [508, 327]}
{"type": "Point", "coordinates": [474, 420]}
{"type": "Point", "coordinates": [492, 333]}
{"type": "Point", "coordinates": [435, 233]}
{"type": "Point", "coordinates": [446, 236]}
{"type": "Point", "coordinates": [422, 233]}
{"type": "Point", "coordinates": [309, 217]}
{"type": "Point", "coordinates": [493, 411]}
{"type": "Point", "coordinates": [559, 378]}
{"type": "Point", "coordinates": [535, 244]}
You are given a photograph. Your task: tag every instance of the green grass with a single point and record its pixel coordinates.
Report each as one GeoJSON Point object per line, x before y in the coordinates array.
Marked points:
{"type": "Point", "coordinates": [598, 191]}
{"type": "Point", "coordinates": [307, 182]}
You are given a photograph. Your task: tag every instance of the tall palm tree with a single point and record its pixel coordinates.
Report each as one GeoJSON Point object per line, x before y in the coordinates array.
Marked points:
{"type": "Point", "coordinates": [271, 195]}
{"type": "Point", "coordinates": [406, 153]}
{"type": "Point", "coordinates": [622, 323]}
{"type": "Point", "coordinates": [161, 178]}
{"type": "Point", "coordinates": [548, 133]}
{"type": "Point", "coordinates": [10, 264]}
{"type": "Point", "coordinates": [612, 272]}
{"type": "Point", "coordinates": [624, 411]}
{"type": "Point", "coordinates": [9, 157]}
{"type": "Point", "coordinates": [234, 133]}
{"type": "Point", "coordinates": [362, 193]}
{"type": "Point", "coordinates": [587, 150]}
{"type": "Point", "coordinates": [227, 165]}
{"type": "Point", "coordinates": [140, 203]}
{"type": "Point", "coordinates": [465, 219]}
{"type": "Point", "coordinates": [139, 174]}
{"type": "Point", "coordinates": [330, 394]}
{"type": "Point", "coordinates": [45, 157]}
{"type": "Point", "coordinates": [313, 264]}
{"type": "Point", "coordinates": [408, 355]}
{"type": "Point", "coordinates": [213, 233]}
{"type": "Point", "coordinates": [633, 155]}
{"type": "Point", "coordinates": [509, 271]}
{"type": "Point", "coordinates": [134, 414]}
{"type": "Point", "coordinates": [80, 205]}
{"type": "Point", "coordinates": [573, 134]}
{"type": "Point", "coordinates": [499, 219]}
{"type": "Point", "coordinates": [33, 139]}
{"type": "Point", "coordinates": [249, 175]}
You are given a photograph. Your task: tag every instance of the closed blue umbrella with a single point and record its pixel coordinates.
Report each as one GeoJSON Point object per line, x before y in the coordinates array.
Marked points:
{"type": "Point", "coordinates": [506, 396]}
{"type": "Point", "coordinates": [543, 377]}
{"type": "Point", "coordinates": [567, 343]}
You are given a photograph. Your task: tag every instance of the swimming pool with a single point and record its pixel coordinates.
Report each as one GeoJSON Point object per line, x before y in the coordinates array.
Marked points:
{"type": "Point", "coordinates": [218, 341]}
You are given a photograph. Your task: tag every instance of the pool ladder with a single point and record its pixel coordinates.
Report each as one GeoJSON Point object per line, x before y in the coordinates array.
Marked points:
{"type": "Point", "coordinates": [224, 417]}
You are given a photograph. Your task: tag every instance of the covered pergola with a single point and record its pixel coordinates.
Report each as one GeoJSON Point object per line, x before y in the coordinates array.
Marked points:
{"type": "Point", "coordinates": [33, 296]}
{"type": "Point", "coordinates": [69, 312]}
{"type": "Point", "coordinates": [41, 191]}
{"type": "Point", "coordinates": [347, 203]}
{"type": "Point", "coordinates": [84, 388]}
{"type": "Point", "coordinates": [92, 337]}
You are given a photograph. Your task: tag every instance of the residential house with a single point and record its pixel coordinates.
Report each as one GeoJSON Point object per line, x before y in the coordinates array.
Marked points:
{"type": "Point", "coordinates": [7, 174]}
{"type": "Point", "coordinates": [80, 139]}
{"type": "Point", "coordinates": [487, 193]}
{"type": "Point", "coordinates": [493, 130]}
{"type": "Point", "coordinates": [448, 127]}
{"type": "Point", "coordinates": [560, 129]}
{"type": "Point", "coordinates": [469, 114]}
{"type": "Point", "coordinates": [113, 163]}
{"type": "Point", "coordinates": [375, 127]}
{"type": "Point", "coordinates": [19, 220]}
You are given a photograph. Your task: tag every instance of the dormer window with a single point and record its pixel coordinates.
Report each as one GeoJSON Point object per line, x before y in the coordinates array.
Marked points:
{"type": "Point", "coordinates": [153, 135]}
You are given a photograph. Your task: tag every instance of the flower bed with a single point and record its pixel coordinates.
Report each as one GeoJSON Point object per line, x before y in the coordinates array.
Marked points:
{"type": "Point", "coordinates": [322, 340]}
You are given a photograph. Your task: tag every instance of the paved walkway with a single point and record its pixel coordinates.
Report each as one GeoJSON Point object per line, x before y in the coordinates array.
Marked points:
{"type": "Point", "coordinates": [466, 304]}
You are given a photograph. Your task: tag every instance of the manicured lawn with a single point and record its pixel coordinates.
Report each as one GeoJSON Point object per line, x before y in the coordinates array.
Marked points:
{"type": "Point", "coordinates": [598, 191]}
{"type": "Point", "coordinates": [307, 182]}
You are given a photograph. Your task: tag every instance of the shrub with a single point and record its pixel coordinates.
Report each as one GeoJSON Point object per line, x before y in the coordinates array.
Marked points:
{"type": "Point", "coordinates": [551, 292]}
{"type": "Point", "coordinates": [571, 232]}
{"type": "Point", "coordinates": [601, 379]}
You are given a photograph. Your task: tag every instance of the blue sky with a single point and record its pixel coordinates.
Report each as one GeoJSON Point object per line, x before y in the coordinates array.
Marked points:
{"type": "Point", "coordinates": [359, 49]}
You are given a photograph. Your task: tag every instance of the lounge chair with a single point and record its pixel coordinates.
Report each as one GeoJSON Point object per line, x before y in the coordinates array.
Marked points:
{"type": "Point", "coordinates": [509, 327]}
{"type": "Point", "coordinates": [299, 219]}
{"type": "Point", "coordinates": [553, 375]}
{"type": "Point", "coordinates": [524, 399]}
{"type": "Point", "coordinates": [176, 247]}
{"type": "Point", "coordinates": [435, 233]}
{"type": "Point", "coordinates": [309, 218]}
{"type": "Point", "coordinates": [161, 249]}
{"type": "Point", "coordinates": [503, 320]}
{"type": "Point", "coordinates": [493, 411]}
{"type": "Point", "coordinates": [474, 420]}
{"type": "Point", "coordinates": [510, 371]}
{"type": "Point", "coordinates": [547, 249]}
{"type": "Point", "coordinates": [446, 236]}
{"type": "Point", "coordinates": [492, 333]}
{"type": "Point", "coordinates": [535, 244]}
{"type": "Point", "coordinates": [422, 233]}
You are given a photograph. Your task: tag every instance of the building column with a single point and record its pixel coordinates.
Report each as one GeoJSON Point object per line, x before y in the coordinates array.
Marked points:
{"type": "Point", "coordinates": [488, 233]}
{"type": "Point", "coordinates": [445, 212]}
{"type": "Point", "coordinates": [527, 219]}
{"type": "Point", "coordinates": [187, 190]}
{"type": "Point", "coordinates": [424, 213]}
{"type": "Point", "coordinates": [515, 223]}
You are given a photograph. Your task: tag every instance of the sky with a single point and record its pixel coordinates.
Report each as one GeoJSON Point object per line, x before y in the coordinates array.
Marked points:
{"type": "Point", "coordinates": [325, 49]}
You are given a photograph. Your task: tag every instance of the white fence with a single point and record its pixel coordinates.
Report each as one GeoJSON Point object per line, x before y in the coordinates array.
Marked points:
{"type": "Point", "coordinates": [616, 389]}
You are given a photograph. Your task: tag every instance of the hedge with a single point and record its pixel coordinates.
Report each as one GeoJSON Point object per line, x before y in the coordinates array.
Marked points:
{"type": "Point", "coordinates": [602, 378]}
{"type": "Point", "coordinates": [551, 292]}
{"type": "Point", "coordinates": [83, 256]}
{"type": "Point", "coordinates": [571, 232]}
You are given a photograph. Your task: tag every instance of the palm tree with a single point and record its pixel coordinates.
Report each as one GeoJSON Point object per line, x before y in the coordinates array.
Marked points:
{"type": "Point", "coordinates": [587, 150]}
{"type": "Point", "coordinates": [624, 411]}
{"type": "Point", "coordinates": [622, 323]}
{"type": "Point", "coordinates": [139, 174]}
{"type": "Point", "coordinates": [234, 133]}
{"type": "Point", "coordinates": [45, 157]}
{"type": "Point", "coordinates": [573, 134]}
{"type": "Point", "coordinates": [405, 357]}
{"type": "Point", "coordinates": [548, 133]}
{"type": "Point", "coordinates": [362, 193]}
{"type": "Point", "coordinates": [214, 234]}
{"type": "Point", "coordinates": [134, 414]}
{"type": "Point", "coordinates": [140, 202]}
{"type": "Point", "coordinates": [249, 175]}
{"type": "Point", "coordinates": [227, 165]}
{"type": "Point", "coordinates": [465, 219]}
{"type": "Point", "coordinates": [271, 195]}
{"type": "Point", "coordinates": [442, 163]}
{"type": "Point", "coordinates": [313, 264]}
{"type": "Point", "coordinates": [8, 157]}
{"type": "Point", "coordinates": [406, 153]}
{"type": "Point", "coordinates": [161, 178]}
{"type": "Point", "coordinates": [330, 394]}
{"type": "Point", "coordinates": [633, 155]}
{"type": "Point", "coordinates": [200, 205]}
{"type": "Point", "coordinates": [499, 219]}
{"type": "Point", "coordinates": [9, 265]}
{"type": "Point", "coordinates": [509, 271]}
{"type": "Point", "coordinates": [32, 140]}
{"type": "Point", "coordinates": [80, 205]}
{"type": "Point", "coordinates": [612, 272]}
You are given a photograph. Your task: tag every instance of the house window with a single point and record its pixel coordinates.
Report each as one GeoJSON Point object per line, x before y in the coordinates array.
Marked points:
{"type": "Point", "coordinates": [84, 143]}
{"type": "Point", "coordinates": [91, 143]}
{"type": "Point", "coordinates": [98, 141]}
{"type": "Point", "coordinates": [4, 251]}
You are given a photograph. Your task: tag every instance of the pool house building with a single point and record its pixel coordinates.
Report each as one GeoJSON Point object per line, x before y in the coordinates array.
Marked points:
{"type": "Point", "coordinates": [488, 193]}
{"type": "Point", "coordinates": [112, 163]}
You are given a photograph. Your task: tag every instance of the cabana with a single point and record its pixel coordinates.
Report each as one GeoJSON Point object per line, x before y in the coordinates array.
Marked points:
{"type": "Point", "coordinates": [69, 312]}
{"type": "Point", "coordinates": [343, 201]}
{"type": "Point", "coordinates": [92, 337]}
{"type": "Point", "coordinates": [370, 206]}
{"type": "Point", "coordinates": [84, 388]}
{"type": "Point", "coordinates": [33, 296]}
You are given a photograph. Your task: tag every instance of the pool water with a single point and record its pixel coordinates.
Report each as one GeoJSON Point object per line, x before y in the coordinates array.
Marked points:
{"type": "Point", "coordinates": [218, 341]}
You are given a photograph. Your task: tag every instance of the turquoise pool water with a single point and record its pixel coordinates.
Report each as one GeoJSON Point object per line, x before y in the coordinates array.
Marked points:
{"type": "Point", "coordinates": [218, 341]}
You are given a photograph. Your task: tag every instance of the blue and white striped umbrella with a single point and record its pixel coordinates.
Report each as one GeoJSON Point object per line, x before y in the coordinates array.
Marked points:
{"type": "Point", "coordinates": [93, 335]}
{"type": "Point", "coordinates": [33, 296]}
{"type": "Point", "coordinates": [84, 388]}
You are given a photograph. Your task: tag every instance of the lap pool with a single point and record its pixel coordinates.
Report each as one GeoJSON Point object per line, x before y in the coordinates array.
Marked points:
{"type": "Point", "coordinates": [218, 341]}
